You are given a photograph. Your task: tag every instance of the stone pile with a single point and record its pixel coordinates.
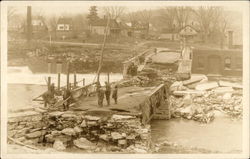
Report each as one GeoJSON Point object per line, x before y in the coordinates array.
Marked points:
{"type": "Point", "coordinates": [196, 100]}
{"type": "Point", "coordinates": [27, 129]}
{"type": "Point", "coordinates": [62, 130]}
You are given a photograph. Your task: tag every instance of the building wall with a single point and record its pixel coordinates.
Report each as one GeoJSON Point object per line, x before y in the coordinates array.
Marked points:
{"type": "Point", "coordinates": [100, 30]}
{"type": "Point", "coordinates": [170, 36]}
{"type": "Point", "coordinates": [220, 62]}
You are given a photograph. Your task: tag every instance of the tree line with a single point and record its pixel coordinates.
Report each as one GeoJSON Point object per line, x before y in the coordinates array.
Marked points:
{"type": "Point", "coordinates": [211, 21]}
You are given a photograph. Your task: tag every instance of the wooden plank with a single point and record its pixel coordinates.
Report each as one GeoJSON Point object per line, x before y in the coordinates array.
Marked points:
{"type": "Point", "coordinates": [206, 86]}
{"type": "Point", "coordinates": [229, 84]}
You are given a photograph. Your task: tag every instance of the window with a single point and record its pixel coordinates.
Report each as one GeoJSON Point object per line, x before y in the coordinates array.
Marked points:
{"type": "Point", "coordinates": [66, 27]}
{"type": "Point", "coordinates": [201, 61]}
{"type": "Point", "coordinates": [227, 64]}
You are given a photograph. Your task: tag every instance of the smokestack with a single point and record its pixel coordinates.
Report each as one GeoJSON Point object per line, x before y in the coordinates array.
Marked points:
{"type": "Point", "coordinates": [230, 39]}
{"type": "Point", "coordinates": [29, 25]}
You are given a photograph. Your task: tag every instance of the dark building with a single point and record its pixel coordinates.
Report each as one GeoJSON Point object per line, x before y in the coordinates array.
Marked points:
{"type": "Point", "coordinates": [217, 62]}
{"type": "Point", "coordinates": [98, 27]}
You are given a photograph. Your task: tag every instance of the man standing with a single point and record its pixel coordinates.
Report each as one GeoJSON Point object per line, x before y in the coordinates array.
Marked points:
{"type": "Point", "coordinates": [107, 92]}
{"type": "Point", "coordinates": [115, 94]}
{"type": "Point", "coordinates": [66, 95]}
{"type": "Point", "coordinates": [100, 97]}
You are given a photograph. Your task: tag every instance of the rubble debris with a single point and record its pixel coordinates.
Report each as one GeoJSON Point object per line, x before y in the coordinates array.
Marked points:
{"type": "Point", "coordinates": [207, 98]}
{"type": "Point", "coordinates": [183, 93]}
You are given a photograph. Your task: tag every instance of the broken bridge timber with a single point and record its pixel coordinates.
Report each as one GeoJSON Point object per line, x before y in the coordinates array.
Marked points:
{"type": "Point", "coordinates": [146, 102]}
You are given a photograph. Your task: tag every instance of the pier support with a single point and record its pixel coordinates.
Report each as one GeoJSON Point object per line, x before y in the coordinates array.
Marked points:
{"type": "Point", "coordinates": [108, 77]}
{"type": "Point", "coordinates": [83, 82]}
{"type": "Point", "coordinates": [74, 79]}
{"type": "Point", "coordinates": [68, 87]}
{"type": "Point", "coordinates": [59, 81]}
{"type": "Point", "coordinates": [49, 83]}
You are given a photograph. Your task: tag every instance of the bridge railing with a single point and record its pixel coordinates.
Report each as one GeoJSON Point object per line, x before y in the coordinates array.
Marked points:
{"type": "Point", "coordinates": [84, 90]}
{"type": "Point", "coordinates": [136, 60]}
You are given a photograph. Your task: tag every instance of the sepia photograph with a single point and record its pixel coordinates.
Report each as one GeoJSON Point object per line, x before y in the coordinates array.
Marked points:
{"type": "Point", "coordinates": [124, 79]}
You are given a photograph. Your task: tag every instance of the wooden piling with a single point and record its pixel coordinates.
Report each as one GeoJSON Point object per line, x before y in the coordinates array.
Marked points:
{"type": "Point", "coordinates": [59, 81]}
{"type": "Point", "coordinates": [108, 77]}
{"type": "Point", "coordinates": [68, 76]}
{"type": "Point", "coordinates": [74, 79]}
{"type": "Point", "coordinates": [83, 82]}
{"type": "Point", "coordinates": [49, 83]}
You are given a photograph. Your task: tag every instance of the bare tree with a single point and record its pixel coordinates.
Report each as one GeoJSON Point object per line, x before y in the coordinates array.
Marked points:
{"type": "Point", "coordinates": [11, 12]}
{"type": "Point", "coordinates": [52, 24]}
{"type": "Point", "coordinates": [182, 15]}
{"type": "Point", "coordinates": [207, 17]}
{"type": "Point", "coordinates": [114, 12]}
{"type": "Point", "coordinates": [145, 15]}
{"type": "Point", "coordinates": [133, 16]}
{"type": "Point", "coordinates": [221, 25]}
{"type": "Point", "coordinates": [167, 15]}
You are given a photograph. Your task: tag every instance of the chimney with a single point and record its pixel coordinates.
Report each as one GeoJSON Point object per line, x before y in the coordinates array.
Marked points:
{"type": "Point", "coordinates": [29, 25]}
{"type": "Point", "coordinates": [230, 39]}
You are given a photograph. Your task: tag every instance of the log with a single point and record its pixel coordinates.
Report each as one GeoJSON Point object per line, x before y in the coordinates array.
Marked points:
{"type": "Point", "coordinates": [22, 144]}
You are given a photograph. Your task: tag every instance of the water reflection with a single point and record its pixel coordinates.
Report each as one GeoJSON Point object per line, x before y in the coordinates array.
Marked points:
{"type": "Point", "coordinates": [221, 135]}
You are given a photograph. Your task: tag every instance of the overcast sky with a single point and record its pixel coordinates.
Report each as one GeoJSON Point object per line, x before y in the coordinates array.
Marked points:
{"type": "Point", "coordinates": [58, 8]}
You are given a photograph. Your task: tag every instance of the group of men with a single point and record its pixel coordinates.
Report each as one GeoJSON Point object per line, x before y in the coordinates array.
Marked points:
{"type": "Point", "coordinates": [107, 92]}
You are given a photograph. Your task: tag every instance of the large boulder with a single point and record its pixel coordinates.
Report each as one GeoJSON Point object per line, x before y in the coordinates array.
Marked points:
{"type": "Point", "coordinates": [69, 131]}
{"type": "Point", "coordinates": [116, 135]}
{"type": "Point", "coordinates": [58, 145]}
{"type": "Point", "coordinates": [83, 143]}
{"type": "Point", "coordinates": [33, 135]}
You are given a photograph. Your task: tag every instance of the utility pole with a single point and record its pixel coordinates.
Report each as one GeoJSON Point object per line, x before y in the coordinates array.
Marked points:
{"type": "Point", "coordinates": [103, 45]}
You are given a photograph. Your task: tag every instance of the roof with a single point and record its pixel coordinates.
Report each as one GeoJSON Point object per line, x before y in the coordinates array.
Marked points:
{"type": "Point", "coordinates": [168, 31]}
{"type": "Point", "coordinates": [139, 25]}
{"type": "Point", "coordinates": [188, 30]}
{"type": "Point", "coordinates": [103, 22]}
{"type": "Point", "coordinates": [64, 21]}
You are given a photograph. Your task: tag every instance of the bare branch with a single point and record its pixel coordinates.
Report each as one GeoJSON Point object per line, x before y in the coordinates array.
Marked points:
{"type": "Point", "coordinates": [114, 12]}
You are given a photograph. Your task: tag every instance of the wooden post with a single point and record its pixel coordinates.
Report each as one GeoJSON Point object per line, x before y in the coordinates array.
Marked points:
{"type": "Point", "coordinates": [68, 76]}
{"type": "Point", "coordinates": [74, 79]}
{"type": "Point", "coordinates": [59, 81]}
{"type": "Point", "coordinates": [108, 77]}
{"type": "Point", "coordinates": [83, 82]}
{"type": "Point", "coordinates": [49, 82]}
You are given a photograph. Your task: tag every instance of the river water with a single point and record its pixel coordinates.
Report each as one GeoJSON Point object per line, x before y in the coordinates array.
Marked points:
{"type": "Point", "coordinates": [221, 135]}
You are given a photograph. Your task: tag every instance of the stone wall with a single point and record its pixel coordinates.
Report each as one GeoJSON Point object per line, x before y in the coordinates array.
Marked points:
{"type": "Point", "coordinates": [156, 105]}
{"type": "Point", "coordinates": [89, 131]}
